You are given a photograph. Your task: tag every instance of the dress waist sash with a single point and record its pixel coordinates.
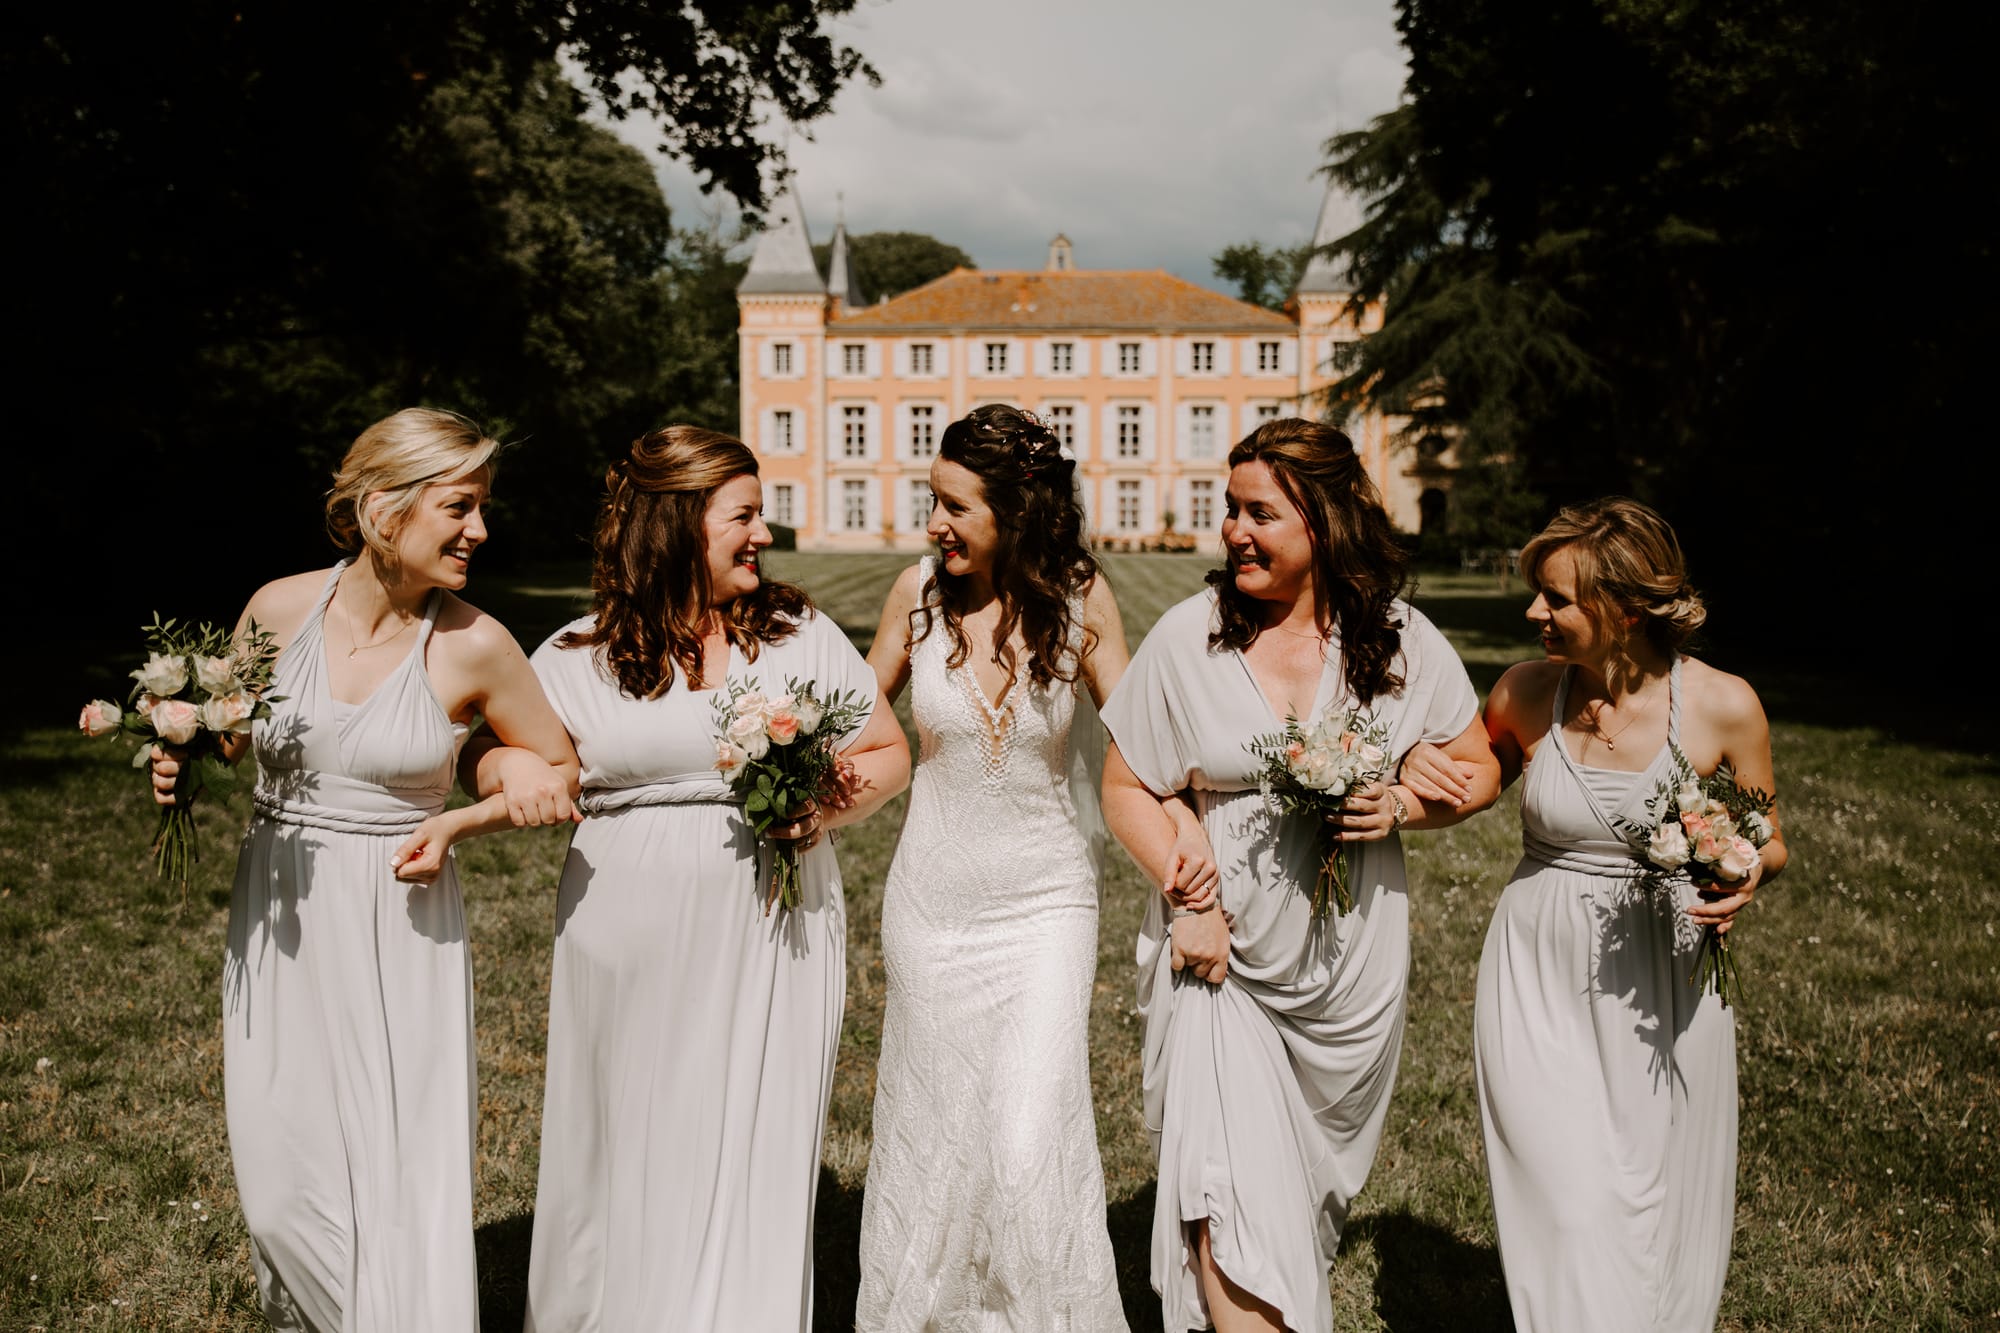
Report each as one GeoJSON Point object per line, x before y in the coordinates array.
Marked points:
{"type": "Point", "coordinates": [705, 790]}
{"type": "Point", "coordinates": [1604, 865]}
{"type": "Point", "coordinates": [308, 815]}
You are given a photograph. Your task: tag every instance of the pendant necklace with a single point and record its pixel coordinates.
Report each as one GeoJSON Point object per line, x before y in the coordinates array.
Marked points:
{"type": "Point", "coordinates": [358, 646]}
{"type": "Point", "coordinates": [1611, 742]}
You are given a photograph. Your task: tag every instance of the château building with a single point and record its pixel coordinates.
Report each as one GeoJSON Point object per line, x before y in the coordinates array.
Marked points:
{"type": "Point", "coordinates": [1148, 380]}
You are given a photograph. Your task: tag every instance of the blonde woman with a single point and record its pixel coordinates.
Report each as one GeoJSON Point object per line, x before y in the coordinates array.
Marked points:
{"type": "Point", "coordinates": [347, 997]}
{"type": "Point", "coordinates": [1607, 1079]}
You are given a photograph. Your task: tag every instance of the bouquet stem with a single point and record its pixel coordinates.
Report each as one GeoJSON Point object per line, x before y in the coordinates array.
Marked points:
{"type": "Point", "coordinates": [1715, 968]}
{"type": "Point", "coordinates": [1331, 886]}
{"type": "Point", "coordinates": [175, 850]}
{"type": "Point", "coordinates": [784, 891]}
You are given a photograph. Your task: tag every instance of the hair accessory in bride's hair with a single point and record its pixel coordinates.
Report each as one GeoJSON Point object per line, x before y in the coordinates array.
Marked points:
{"type": "Point", "coordinates": [1037, 449]}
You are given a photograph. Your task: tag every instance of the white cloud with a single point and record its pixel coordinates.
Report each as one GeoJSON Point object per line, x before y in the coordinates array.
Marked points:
{"type": "Point", "coordinates": [1153, 134]}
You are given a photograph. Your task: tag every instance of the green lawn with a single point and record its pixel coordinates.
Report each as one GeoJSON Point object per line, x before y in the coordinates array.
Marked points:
{"type": "Point", "coordinates": [1869, 1042]}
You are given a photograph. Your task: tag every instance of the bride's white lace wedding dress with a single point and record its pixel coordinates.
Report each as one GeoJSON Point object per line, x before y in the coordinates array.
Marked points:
{"type": "Point", "coordinates": [985, 1201]}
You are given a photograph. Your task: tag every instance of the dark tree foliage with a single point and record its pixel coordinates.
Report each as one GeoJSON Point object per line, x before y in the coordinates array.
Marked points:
{"type": "Point", "coordinates": [1263, 275]}
{"type": "Point", "coordinates": [1724, 257]}
{"type": "Point", "coordinates": [243, 231]}
{"type": "Point", "coordinates": [889, 263]}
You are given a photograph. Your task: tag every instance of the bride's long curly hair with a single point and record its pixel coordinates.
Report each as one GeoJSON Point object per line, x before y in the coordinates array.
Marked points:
{"type": "Point", "coordinates": [649, 584]}
{"type": "Point", "coordinates": [1358, 567]}
{"type": "Point", "coordinates": [1039, 561]}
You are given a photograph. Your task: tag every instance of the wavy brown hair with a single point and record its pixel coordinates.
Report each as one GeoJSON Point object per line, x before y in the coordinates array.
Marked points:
{"type": "Point", "coordinates": [649, 584]}
{"type": "Point", "coordinates": [1358, 567]}
{"type": "Point", "coordinates": [1039, 560]}
{"type": "Point", "coordinates": [1628, 562]}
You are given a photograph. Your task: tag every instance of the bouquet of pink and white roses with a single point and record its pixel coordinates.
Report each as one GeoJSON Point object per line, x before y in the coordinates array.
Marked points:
{"type": "Point", "coordinates": [778, 753]}
{"type": "Point", "coordinates": [1310, 771]}
{"type": "Point", "coordinates": [198, 685]}
{"type": "Point", "coordinates": [1707, 830]}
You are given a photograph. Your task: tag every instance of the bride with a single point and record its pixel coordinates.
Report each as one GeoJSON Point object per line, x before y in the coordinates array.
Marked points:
{"type": "Point", "coordinates": [985, 1198]}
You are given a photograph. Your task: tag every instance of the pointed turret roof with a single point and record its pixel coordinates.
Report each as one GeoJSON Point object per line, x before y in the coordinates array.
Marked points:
{"type": "Point", "coordinates": [782, 264]}
{"type": "Point", "coordinates": [840, 270]}
{"type": "Point", "coordinates": [1339, 214]}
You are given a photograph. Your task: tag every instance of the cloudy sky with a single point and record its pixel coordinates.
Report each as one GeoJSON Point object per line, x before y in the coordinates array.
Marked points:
{"type": "Point", "coordinates": [1152, 134]}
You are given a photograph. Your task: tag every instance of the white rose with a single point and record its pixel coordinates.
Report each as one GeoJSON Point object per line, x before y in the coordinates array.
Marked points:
{"type": "Point", "coordinates": [808, 713]}
{"type": "Point", "coordinates": [228, 713]}
{"type": "Point", "coordinates": [729, 758]}
{"type": "Point", "coordinates": [1722, 826]}
{"type": "Point", "coordinates": [748, 734]}
{"type": "Point", "coordinates": [162, 675]}
{"type": "Point", "coordinates": [1669, 847]}
{"type": "Point", "coordinates": [100, 718]}
{"type": "Point", "coordinates": [752, 704]}
{"type": "Point", "coordinates": [1689, 800]}
{"type": "Point", "coordinates": [1757, 827]}
{"type": "Point", "coordinates": [1737, 859]}
{"type": "Point", "coordinates": [217, 675]}
{"type": "Point", "coordinates": [174, 721]}
{"type": "Point", "coordinates": [1371, 757]}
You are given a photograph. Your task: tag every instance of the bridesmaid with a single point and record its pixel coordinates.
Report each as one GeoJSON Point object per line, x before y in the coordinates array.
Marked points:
{"type": "Point", "coordinates": [347, 995]}
{"type": "Point", "coordinates": [1607, 1082]}
{"type": "Point", "coordinates": [691, 1032]}
{"type": "Point", "coordinates": [1266, 1087]}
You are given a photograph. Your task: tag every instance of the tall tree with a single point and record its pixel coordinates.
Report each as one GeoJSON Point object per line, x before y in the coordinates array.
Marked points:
{"type": "Point", "coordinates": [255, 227]}
{"type": "Point", "coordinates": [1721, 256]}
{"type": "Point", "coordinates": [1263, 275]}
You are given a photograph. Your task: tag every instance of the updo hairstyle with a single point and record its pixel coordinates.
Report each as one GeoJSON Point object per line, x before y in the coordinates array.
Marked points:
{"type": "Point", "coordinates": [400, 456]}
{"type": "Point", "coordinates": [1039, 560]}
{"type": "Point", "coordinates": [1358, 566]}
{"type": "Point", "coordinates": [649, 583]}
{"type": "Point", "coordinates": [1628, 563]}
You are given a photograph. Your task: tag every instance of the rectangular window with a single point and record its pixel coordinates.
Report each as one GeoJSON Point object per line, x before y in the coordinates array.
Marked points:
{"type": "Point", "coordinates": [1062, 419]}
{"type": "Point", "coordinates": [854, 358]}
{"type": "Point", "coordinates": [1201, 431]}
{"type": "Point", "coordinates": [923, 432]}
{"type": "Point", "coordinates": [1128, 358]}
{"type": "Point", "coordinates": [1201, 357]}
{"type": "Point", "coordinates": [854, 432]}
{"type": "Point", "coordinates": [1266, 412]}
{"type": "Point", "coordinates": [854, 506]}
{"type": "Point", "coordinates": [781, 432]}
{"type": "Point", "coordinates": [920, 505]}
{"type": "Point", "coordinates": [781, 358]}
{"type": "Point", "coordinates": [1128, 506]}
{"type": "Point", "coordinates": [781, 504]}
{"type": "Point", "coordinates": [1267, 356]}
{"type": "Point", "coordinates": [996, 358]}
{"type": "Point", "coordinates": [1201, 505]}
{"type": "Point", "coordinates": [1128, 432]}
{"type": "Point", "coordinates": [920, 359]}
{"type": "Point", "coordinates": [1062, 358]}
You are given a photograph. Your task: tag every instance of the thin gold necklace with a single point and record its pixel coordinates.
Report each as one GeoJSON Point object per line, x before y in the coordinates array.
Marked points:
{"type": "Point", "coordinates": [358, 646]}
{"type": "Point", "coordinates": [1610, 742]}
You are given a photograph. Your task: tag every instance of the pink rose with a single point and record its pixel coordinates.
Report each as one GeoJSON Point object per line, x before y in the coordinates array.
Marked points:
{"type": "Point", "coordinates": [1294, 753]}
{"type": "Point", "coordinates": [228, 713]}
{"type": "Point", "coordinates": [175, 721]}
{"type": "Point", "coordinates": [1739, 858]}
{"type": "Point", "coordinates": [783, 727]}
{"type": "Point", "coordinates": [1709, 849]}
{"type": "Point", "coordinates": [145, 705]}
{"type": "Point", "coordinates": [100, 718]}
{"type": "Point", "coordinates": [1695, 825]}
{"type": "Point", "coordinates": [729, 758]}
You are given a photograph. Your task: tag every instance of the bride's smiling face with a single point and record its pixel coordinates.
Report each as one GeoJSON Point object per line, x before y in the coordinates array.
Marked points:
{"type": "Point", "coordinates": [961, 523]}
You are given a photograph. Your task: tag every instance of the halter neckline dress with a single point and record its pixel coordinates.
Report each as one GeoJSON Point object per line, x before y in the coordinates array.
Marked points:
{"type": "Point", "coordinates": [348, 1052]}
{"type": "Point", "coordinates": [1607, 1083]}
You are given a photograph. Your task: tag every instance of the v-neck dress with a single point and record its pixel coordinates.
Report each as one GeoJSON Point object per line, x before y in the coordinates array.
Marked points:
{"type": "Point", "coordinates": [1607, 1082]}
{"type": "Point", "coordinates": [347, 1011]}
{"type": "Point", "coordinates": [985, 1204]}
{"type": "Point", "coordinates": [691, 1034]}
{"type": "Point", "coordinates": [1266, 1095]}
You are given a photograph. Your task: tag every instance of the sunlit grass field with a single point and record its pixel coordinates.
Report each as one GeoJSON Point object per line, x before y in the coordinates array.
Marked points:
{"type": "Point", "coordinates": [1869, 1040]}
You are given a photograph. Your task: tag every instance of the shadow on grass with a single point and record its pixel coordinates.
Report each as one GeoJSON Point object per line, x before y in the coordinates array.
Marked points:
{"type": "Point", "coordinates": [1431, 1279]}
{"type": "Point", "coordinates": [502, 1248]}
{"type": "Point", "coordinates": [1130, 1221]}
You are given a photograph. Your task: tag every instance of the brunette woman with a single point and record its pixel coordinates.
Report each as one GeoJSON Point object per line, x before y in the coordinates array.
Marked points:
{"type": "Point", "coordinates": [1269, 1061]}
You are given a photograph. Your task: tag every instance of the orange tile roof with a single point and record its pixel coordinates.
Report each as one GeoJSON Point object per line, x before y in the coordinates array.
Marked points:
{"type": "Point", "coordinates": [1077, 299]}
